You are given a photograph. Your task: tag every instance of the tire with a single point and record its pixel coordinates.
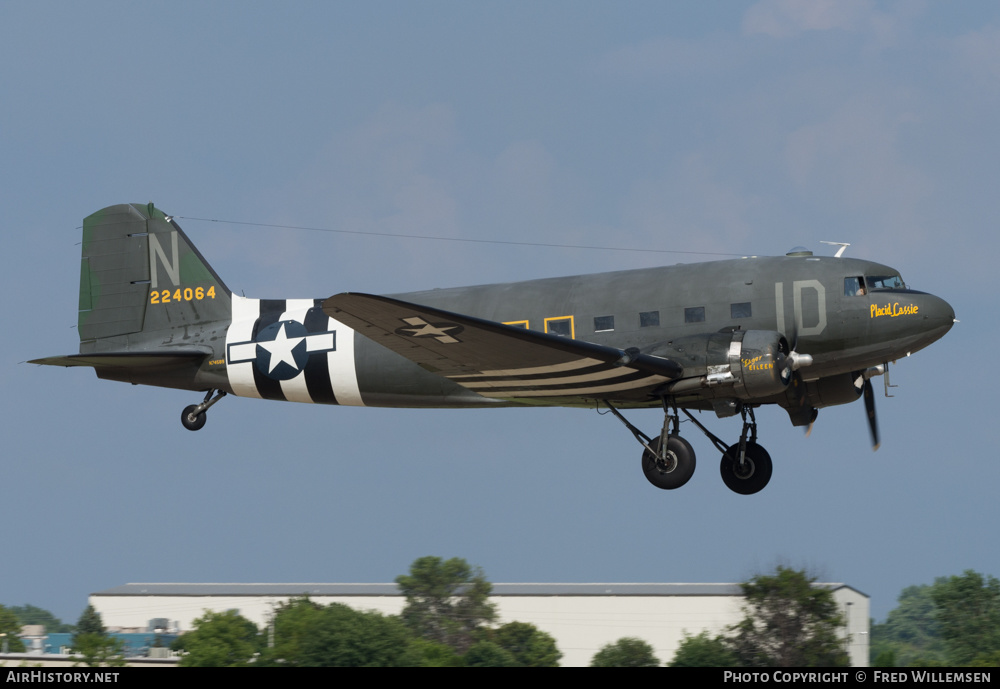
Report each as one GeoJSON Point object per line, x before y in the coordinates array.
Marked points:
{"type": "Point", "coordinates": [193, 423]}
{"type": "Point", "coordinates": [752, 476]}
{"type": "Point", "coordinates": [679, 468]}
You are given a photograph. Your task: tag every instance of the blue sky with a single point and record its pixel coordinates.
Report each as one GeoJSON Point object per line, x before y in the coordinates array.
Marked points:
{"type": "Point", "coordinates": [734, 128]}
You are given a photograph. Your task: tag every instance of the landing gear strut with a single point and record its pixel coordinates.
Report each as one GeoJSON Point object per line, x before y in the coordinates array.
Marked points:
{"type": "Point", "coordinates": [194, 417]}
{"type": "Point", "coordinates": [668, 461]}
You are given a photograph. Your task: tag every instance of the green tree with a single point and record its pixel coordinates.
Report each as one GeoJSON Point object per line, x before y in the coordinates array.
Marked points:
{"type": "Point", "coordinates": [488, 654]}
{"type": "Point", "coordinates": [92, 645]}
{"type": "Point", "coordinates": [219, 639]}
{"type": "Point", "coordinates": [10, 626]}
{"type": "Point", "coordinates": [340, 636]}
{"type": "Point", "coordinates": [626, 652]}
{"type": "Point", "coordinates": [527, 644]}
{"type": "Point", "coordinates": [30, 614]}
{"type": "Point", "coordinates": [968, 612]}
{"type": "Point", "coordinates": [703, 651]}
{"type": "Point", "coordinates": [446, 601]}
{"type": "Point", "coordinates": [98, 650]}
{"type": "Point", "coordinates": [910, 631]}
{"type": "Point", "coordinates": [788, 623]}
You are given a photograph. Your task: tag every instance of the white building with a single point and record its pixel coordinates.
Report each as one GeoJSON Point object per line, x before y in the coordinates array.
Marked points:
{"type": "Point", "coordinates": [581, 617]}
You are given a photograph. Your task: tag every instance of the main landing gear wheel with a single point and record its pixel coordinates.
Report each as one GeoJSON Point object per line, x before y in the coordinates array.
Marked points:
{"type": "Point", "coordinates": [752, 475]}
{"type": "Point", "coordinates": [191, 419]}
{"type": "Point", "coordinates": [676, 467]}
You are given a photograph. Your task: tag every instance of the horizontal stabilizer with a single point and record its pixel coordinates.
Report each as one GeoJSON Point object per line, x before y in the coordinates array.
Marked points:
{"type": "Point", "coordinates": [498, 360]}
{"type": "Point", "coordinates": [126, 360]}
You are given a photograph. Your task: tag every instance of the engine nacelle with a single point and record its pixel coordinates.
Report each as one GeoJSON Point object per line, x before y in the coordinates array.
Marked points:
{"type": "Point", "coordinates": [747, 364]}
{"type": "Point", "coordinates": [833, 390]}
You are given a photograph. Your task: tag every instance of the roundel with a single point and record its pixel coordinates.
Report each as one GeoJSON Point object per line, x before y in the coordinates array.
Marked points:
{"type": "Point", "coordinates": [282, 352]}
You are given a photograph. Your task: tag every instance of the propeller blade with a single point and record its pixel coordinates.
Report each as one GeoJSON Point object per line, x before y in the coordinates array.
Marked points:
{"type": "Point", "coordinates": [869, 393]}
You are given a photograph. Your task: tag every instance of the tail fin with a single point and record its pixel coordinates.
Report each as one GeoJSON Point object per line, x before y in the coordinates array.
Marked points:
{"type": "Point", "coordinates": [141, 280]}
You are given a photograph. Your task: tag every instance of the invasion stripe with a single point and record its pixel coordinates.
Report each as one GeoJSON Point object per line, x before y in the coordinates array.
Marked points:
{"type": "Point", "coordinates": [318, 368]}
{"type": "Point", "coordinates": [560, 392]}
{"type": "Point", "coordinates": [245, 313]}
{"type": "Point", "coordinates": [462, 379]}
{"type": "Point", "coordinates": [296, 389]}
{"type": "Point", "coordinates": [270, 313]}
{"type": "Point", "coordinates": [602, 374]}
{"type": "Point", "coordinates": [556, 368]}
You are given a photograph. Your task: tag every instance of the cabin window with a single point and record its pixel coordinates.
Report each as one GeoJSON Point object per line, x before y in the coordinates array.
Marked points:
{"type": "Point", "coordinates": [694, 314]}
{"type": "Point", "coordinates": [604, 323]}
{"type": "Point", "coordinates": [562, 325]}
{"type": "Point", "coordinates": [517, 324]}
{"type": "Point", "coordinates": [741, 310]}
{"type": "Point", "coordinates": [854, 287]}
{"type": "Point", "coordinates": [649, 319]}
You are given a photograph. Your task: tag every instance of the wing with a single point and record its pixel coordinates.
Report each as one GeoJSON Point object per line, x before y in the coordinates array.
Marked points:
{"type": "Point", "coordinates": [501, 361]}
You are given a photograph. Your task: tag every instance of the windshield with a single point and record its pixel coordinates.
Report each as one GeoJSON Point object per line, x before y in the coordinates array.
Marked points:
{"type": "Point", "coordinates": [885, 282]}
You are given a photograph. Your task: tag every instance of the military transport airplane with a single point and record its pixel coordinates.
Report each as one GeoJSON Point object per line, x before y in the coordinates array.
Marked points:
{"type": "Point", "coordinates": [800, 331]}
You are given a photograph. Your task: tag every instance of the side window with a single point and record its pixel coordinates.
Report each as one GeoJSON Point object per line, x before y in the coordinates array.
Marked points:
{"type": "Point", "coordinates": [517, 324]}
{"type": "Point", "coordinates": [694, 314]}
{"type": "Point", "coordinates": [604, 323]}
{"type": "Point", "coordinates": [562, 325]}
{"type": "Point", "coordinates": [741, 310]}
{"type": "Point", "coordinates": [649, 319]}
{"type": "Point", "coordinates": [854, 287]}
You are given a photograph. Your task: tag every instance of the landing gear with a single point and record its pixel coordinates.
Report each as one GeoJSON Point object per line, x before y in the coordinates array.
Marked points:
{"type": "Point", "coordinates": [746, 466]}
{"type": "Point", "coordinates": [749, 476]}
{"type": "Point", "coordinates": [194, 417]}
{"type": "Point", "coordinates": [192, 420]}
{"type": "Point", "coordinates": [668, 461]}
{"type": "Point", "coordinates": [669, 469]}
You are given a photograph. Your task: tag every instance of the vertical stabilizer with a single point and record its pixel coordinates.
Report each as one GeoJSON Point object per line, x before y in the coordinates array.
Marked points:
{"type": "Point", "coordinates": [143, 285]}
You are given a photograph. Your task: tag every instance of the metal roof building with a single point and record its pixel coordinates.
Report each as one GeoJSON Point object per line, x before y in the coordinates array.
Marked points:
{"type": "Point", "coordinates": [581, 617]}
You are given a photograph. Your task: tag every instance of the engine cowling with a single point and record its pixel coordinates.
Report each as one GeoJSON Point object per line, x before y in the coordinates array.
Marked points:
{"type": "Point", "coordinates": [746, 364]}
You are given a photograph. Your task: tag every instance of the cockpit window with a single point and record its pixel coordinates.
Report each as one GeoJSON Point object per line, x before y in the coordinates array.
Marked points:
{"type": "Point", "coordinates": [854, 287]}
{"type": "Point", "coordinates": [885, 282]}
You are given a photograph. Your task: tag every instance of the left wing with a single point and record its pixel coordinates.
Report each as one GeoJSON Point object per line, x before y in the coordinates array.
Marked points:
{"type": "Point", "coordinates": [497, 360]}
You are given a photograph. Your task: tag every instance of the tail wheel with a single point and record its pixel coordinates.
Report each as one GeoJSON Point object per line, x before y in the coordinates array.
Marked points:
{"type": "Point", "coordinates": [674, 469]}
{"type": "Point", "coordinates": [191, 419]}
{"type": "Point", "coordinates": [752, 475]}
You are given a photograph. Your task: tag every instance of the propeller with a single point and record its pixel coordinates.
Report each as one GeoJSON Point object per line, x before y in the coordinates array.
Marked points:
{"type": "Point", "coordinates": [869, 393]}
{"type": "Point", "coordinates": [870, 410]}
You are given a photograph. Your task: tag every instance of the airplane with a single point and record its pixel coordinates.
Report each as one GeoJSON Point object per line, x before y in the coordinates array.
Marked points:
{"type": "Point", "coordinates": [801, 331]}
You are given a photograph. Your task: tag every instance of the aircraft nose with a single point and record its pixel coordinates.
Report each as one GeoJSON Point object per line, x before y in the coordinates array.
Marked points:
{"type": "Point", "coordinates": [939, 316]}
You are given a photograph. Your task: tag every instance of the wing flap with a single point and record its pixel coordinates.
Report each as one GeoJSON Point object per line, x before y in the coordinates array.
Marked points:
{"type": "Point", "coordinates": [497, 360]}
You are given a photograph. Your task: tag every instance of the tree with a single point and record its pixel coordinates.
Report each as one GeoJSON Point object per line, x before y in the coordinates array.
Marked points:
{"type": "Point", "coordinates": [343, 637]}
{"type": "Point", "coordinates": [90, 622]}
{"type": "Point", "coordinates": [98, 650]}
{"type": "Point", "coordinates": [703, 651]}
{"type": "Point", "coordinates": [910, 633]}
{"type": "Point", "coordinates": [10, 627]}
{"type": "Point", "coordinates": [488, 654]}
{"type": "Point", "coordinates": [626, 652]}
{"type": "Point", "coordinates": [219, 639]}
{"type": "Point", "coordinates": [30, 614]}
{"type": "Point", "coordinates": [93, 646]}
{"type": "Point", "coordinates": [527, 644]}
{"type": "Point", "coordinates": [788, 623]}
{"type": "Point", "coordinates": [967, 609]}
{"type": "Point", "coordinates": [446, 600]}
